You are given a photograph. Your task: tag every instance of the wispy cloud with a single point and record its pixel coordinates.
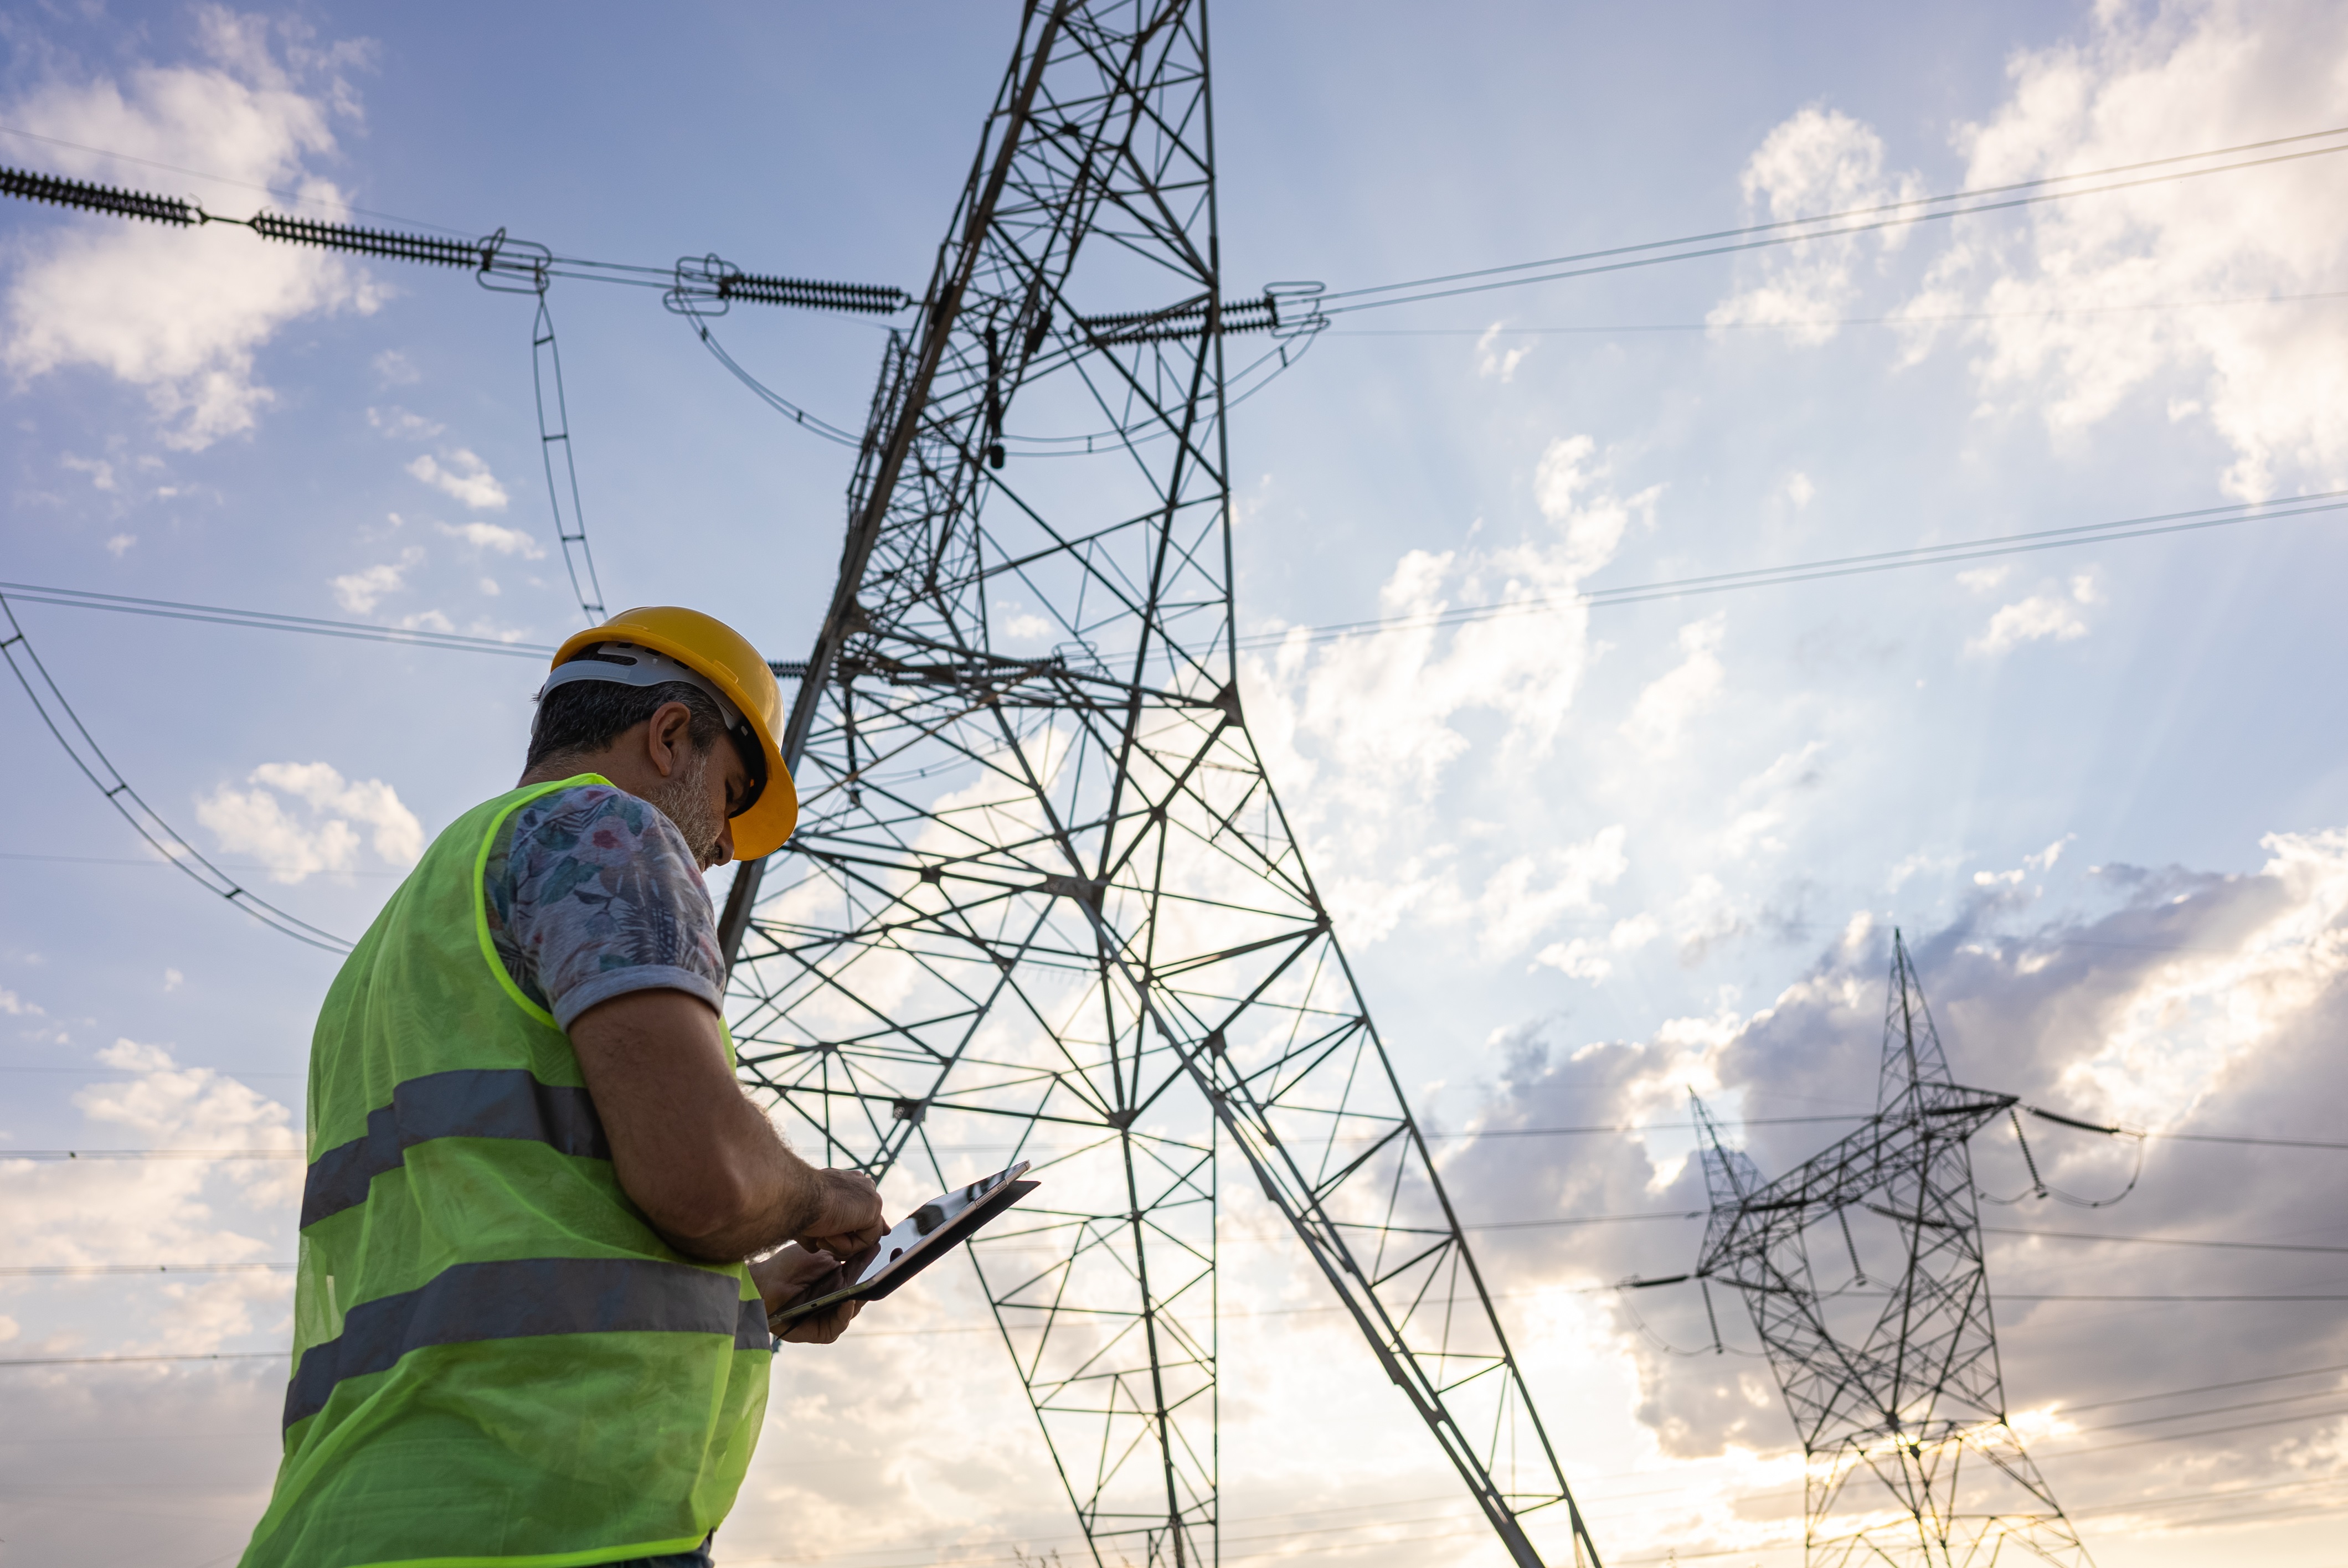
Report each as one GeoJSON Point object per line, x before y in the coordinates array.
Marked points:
{"type": "Point", "coordinates": [400, 425]}
{"type": "Point", "coordinates": [465, 477]}
{"type": "Point", "coordinates": [359, 591]}
{"type": "Point", "coordinates": [1819, 161]}
{"type": "Point", "coordinates": [495, 538]}
{"type": "Point", "coordinates": [2051, 616]}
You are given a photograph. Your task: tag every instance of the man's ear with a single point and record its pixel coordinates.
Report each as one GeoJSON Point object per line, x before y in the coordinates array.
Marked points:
{"type": "Point", "coordinates": [667, 737]}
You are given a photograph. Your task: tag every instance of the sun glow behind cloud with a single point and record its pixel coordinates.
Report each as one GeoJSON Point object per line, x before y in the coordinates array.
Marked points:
{"type": "Point", "coordinates": [1542, 794]}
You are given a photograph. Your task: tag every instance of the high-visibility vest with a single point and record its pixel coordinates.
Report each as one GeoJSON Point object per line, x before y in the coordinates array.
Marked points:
{"type": "Point", "coordinates": [496, 1360]}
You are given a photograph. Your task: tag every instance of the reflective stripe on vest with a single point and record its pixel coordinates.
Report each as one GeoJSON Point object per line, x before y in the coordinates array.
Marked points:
{"type": "Point", "coordinates": [469, 1103]}
{"type": "Point", "coordinates": [478, 1301]}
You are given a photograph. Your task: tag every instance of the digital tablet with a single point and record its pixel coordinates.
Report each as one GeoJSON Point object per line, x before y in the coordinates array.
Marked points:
{"type": "Point", "coordinates": [918, 1240]}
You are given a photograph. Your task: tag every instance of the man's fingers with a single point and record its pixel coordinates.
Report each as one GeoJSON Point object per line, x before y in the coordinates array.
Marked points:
{"type": "Point", "coordinates": [824, 1329]}
{"type": "Point", "coordinates": [851, 1201]}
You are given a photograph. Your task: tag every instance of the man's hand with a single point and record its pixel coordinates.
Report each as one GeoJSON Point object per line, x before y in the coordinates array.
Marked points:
{"type": "Point", "coordinates": [797, 1271]}
{"type": "Point", "coordinates": [849, 1218]}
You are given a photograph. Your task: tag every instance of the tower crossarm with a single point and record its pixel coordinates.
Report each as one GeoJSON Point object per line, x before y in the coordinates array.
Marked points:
{"type": "Point", "coordinates": [1854, 1169]}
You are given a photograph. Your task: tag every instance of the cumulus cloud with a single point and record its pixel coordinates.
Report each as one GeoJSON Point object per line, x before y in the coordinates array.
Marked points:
{"type": "Point", "coordinates": [496, 537]}
{"type": "Point", "coordinates": [324, 835]}
{"type": "Point", "coordinates": [1819, 161]}
{"type": "Point", "coordinates": [1492, 360]}
{"type": "Point", "coordinates": [1363, 732]}
{"type": "Point", "coordinates": [1588, 960]}
{"type": "Point", "coordinates": [358, 591]}
{"type": "Point", "coordinates": [465, 477]}
{"type": "Point", "coordinates": [2266, 378]}
{"type": "Point", "coordinates": [143, 1212]}
{"type": "Point", "coordinates": [399, 425]}
{"type": "Point", "coordinates": [181, 314]}
{"type": "Point", "coordinates": [2051, 616]}
{"type": "Point", "coordinates": [1531, 891]}
{"type": "Point", "coordinates": [100, 471]}
{"type": "Point", "coordinates": [2173, 296]}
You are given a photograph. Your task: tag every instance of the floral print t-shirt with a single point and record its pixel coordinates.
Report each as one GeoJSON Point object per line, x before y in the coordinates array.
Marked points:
{"type": "Point", "coordinates": [592, 894]}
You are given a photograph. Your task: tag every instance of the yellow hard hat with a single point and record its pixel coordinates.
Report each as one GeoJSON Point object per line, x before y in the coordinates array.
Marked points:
{"type": "Point", "coordinates": [723, 656]}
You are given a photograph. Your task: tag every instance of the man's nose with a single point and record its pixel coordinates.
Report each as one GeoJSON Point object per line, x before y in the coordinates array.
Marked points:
{"type": "Point", "coordinates": [724, 849]}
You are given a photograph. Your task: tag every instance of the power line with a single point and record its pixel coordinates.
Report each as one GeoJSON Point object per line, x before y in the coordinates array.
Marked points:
{"type": "Point", "coordinates": [2018, 1295]}
{"type": "Point", "coordinates": [1801, 324]}
{"type": "Point", "coordinates": [75, 737]}
{"type": "Point", "coordinates": [2212, 1388]}
{"type": "Point", "coordinates": [269, 621]}
{"type": "Point", "coordinates": [284, 194]}
{"type": "Point", "coordinates": [49, 1270]}
{"type": "Point", "coordinates": [1692, 246]}
{"type": "Point", "coordinates": [1590, 1220]}
{"type": "Point", "coordinates": [2217, 1410]}
{"type": "Point", "coordinates": [151, 861]}
{"type": "Point", "coordinates": [2046, 1116]}
{"type": "Point", "coordinates": [2185, 1437]}
{"type": "Point", "coordinates": [497, 260]}
{"type": "Point", "coordinates": [46, 1154]}
{"type": "Point", "coordinates": [85, 1068]}
{"type": "Point", "coordinates": [1954, 552]}
{"type": "Point", "coordinates": [1629, 1127]}
{"type": "Point", "coordinates": [125, 1361]}
{"type": "Point", "coordinates": [2262, 1143]}
{"type": "Point", "coordinates": [2166, 1241]}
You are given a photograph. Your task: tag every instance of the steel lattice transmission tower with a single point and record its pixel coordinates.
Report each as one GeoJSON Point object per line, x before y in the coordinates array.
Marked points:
{"type": "Point", "coordinates": [1042, 898]}
{"type": "Point", "coordinates": [1899, 1383]}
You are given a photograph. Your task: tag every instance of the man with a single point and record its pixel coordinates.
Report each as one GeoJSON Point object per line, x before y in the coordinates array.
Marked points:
{"type": "Point", "coordinates": [524, 1328]}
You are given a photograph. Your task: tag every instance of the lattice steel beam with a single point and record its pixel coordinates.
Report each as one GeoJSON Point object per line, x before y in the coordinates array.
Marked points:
{"type": "Point", "coordinates": [1042, 892]}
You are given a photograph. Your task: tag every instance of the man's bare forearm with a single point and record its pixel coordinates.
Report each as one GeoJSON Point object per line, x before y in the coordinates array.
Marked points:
{"type": "Point", "coordinates": [781, 1196]}
{"type": "Point", "coordinates": [703, 1163]}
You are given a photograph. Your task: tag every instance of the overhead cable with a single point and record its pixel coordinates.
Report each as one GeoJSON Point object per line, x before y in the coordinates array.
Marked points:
{"type": "Point", "coordinates": [46, 1270]}
{"type": "Point", "coordinates": [1955, 552]}
{"type": "Point", "coordinates": [67, 726]}
{"type": "Point", "coordinates": [498, 262]}
{"type": "Point", "coordinates": [1806, 323]}
{"type": "Point", "coordinates": [2046, 1115]}
{"type": "Point", "coordinates": [2163, 1240]}
{"type": "Point", "coordinates": [768, 396]}
{"type": "Point", "coordinates": [1824, 225]}
{"type": "Point", "coordinates": [1635, 593]}
{"type": "Point", "coordinates": [2212, 1388]}
{"type": "Point", "coordinates": [283, 1154]}
{"type": "Point", "coordinates": [269, 621]}
{"type": "Point", "coordinates": [114, 1360]}
{"type": "Point", "coordinates": [283, 193]}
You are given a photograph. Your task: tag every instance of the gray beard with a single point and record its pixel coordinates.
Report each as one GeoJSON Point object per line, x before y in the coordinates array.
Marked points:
{"type": "Point", "coordinates": [685, 801]}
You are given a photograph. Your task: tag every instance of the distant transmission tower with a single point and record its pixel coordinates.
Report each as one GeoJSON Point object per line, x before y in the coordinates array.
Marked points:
{"type": "Point", "coordinates": [1898, 1380]}
{"type": "Point", "coordinates": [1042, 901]}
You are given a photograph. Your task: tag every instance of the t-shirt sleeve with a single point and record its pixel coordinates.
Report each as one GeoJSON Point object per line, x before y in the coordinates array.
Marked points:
{"type": "Point", "coordinates": [598, 896]}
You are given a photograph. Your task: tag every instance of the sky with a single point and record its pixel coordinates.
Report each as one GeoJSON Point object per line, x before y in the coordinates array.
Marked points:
{"type": "Point", "coordinates": [1586, 861]}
